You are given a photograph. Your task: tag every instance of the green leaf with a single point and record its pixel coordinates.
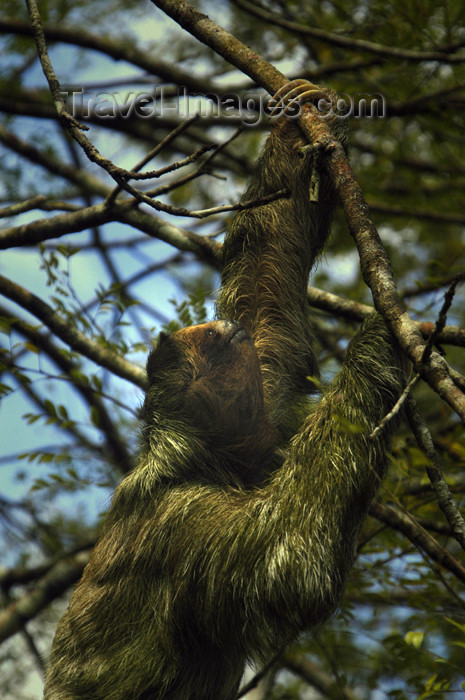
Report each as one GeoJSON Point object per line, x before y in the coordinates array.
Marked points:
{"type": "Point", "coordinates": [414, 639]}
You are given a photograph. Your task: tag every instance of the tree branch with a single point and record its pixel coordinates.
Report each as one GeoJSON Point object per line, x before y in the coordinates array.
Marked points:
{"type": "Point", "coordinates": [317, 678]}
{"type": "Point", "coordinates": [118, 50]}
{"type": "Point", "coordinates": [117, 447]}
{"type": "Point", "coordinates": [71, 335]}
{"type": "Point", "coordinates": [435, 475]}
{"type": "Point", "coordinates": [406, 523]}
{"type": "Point", "coordinates": [362, 45]}
{"type": "Point", "coordinates": [48, 588]}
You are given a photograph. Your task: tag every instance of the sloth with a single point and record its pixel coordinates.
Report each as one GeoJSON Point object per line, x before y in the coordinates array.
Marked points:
{"type": "Point", "coordinates": [236, 530]}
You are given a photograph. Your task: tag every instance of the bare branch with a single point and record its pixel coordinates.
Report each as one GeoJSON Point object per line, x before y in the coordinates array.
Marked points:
{"type": "Point", "coordinates": [317, 678]}
{"type": "Point", "coordinates": [442, 318]}
{"type": "Point", "coordinates": [117, 447]}
{"type": "Point", "coordinates": [396, 408]}
{"type": "Point", "coordinates": [99, 214]}
{"type": "Point", "coordinates": [409, 526]}
{"type": "Point", "coordinates": [362, 45]}
{"type": "Point", "coordinates": [118, 50]}
{"type": "Point", "coordinates": [77, 176]}
{"type": "Point", "coordinates": [157, 149]}
{"type": "Point", "coordinates": [48, 588]}
{"type": "Point", "coordinates": [434, 471]}
{"type": "Point", "coordinates": [22, 207]}
{"type": "Point", "coordinates": [71, 335]}
{"type": "Point", "coordinates": [422, 214]}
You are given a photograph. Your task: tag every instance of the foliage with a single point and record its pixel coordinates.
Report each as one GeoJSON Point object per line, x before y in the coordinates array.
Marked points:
{"type": "Point", "coordinates": [70, 422]}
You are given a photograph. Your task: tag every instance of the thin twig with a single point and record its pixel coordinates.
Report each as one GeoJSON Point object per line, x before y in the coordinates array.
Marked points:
{"type": "Point", "coordinates": [75, 128]}
{"type": "Point", "coordinates": [434, 472]}
{"type": "Point", "coordinates": [202, 213]}
{"type": "Point", "coordinates": [409, 526]}
{"type": "Point", "coordinates": [397, 407]}
{"type": "Point", "coordinates": [21, 207]}
{"type": "Point", "coordinates": [440, 54]}
{"type": "Point", "coordinates": [169, 138]}
{"type": "Point", "coordinates": [442, 318]}
{"type": "Point", "coordinates": [202, 169]}
{"type": "Point", "coordinates": [103, 356]}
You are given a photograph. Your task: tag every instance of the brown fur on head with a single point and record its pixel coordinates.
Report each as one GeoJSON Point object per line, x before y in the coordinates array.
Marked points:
{"type": "Point", "coordinates": [209, 377]}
